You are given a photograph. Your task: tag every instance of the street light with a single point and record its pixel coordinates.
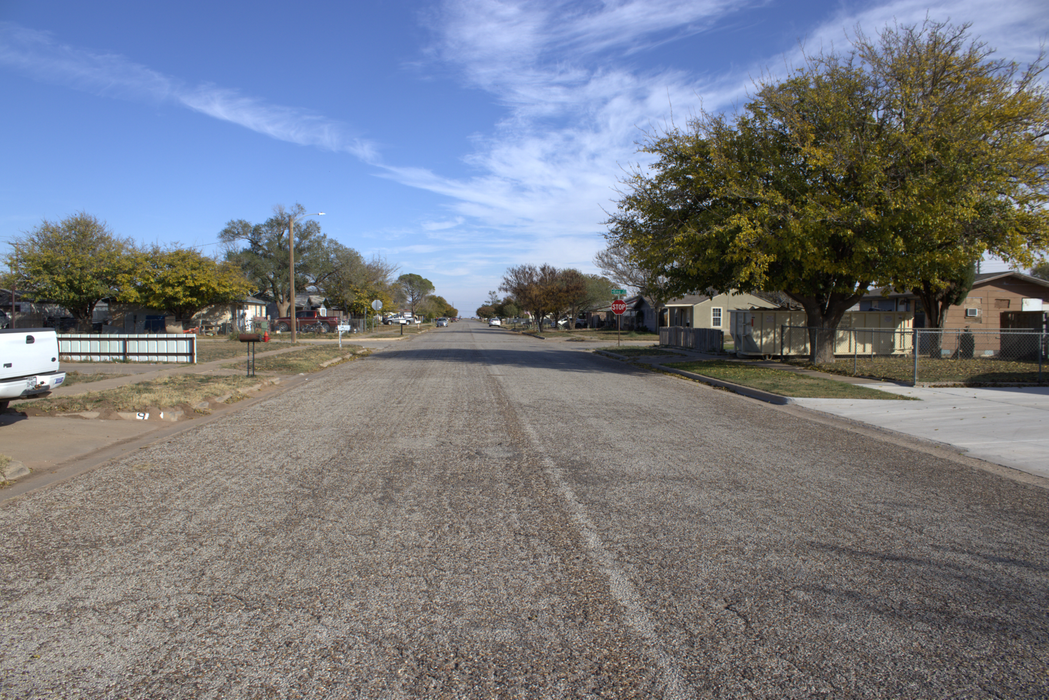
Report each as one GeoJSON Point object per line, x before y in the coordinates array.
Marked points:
{"type": "Point", "coordinates": [291, 267]}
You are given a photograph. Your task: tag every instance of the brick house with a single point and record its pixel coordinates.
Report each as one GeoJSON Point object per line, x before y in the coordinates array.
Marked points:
{"type": "Point", "coordinates": [997, 300]}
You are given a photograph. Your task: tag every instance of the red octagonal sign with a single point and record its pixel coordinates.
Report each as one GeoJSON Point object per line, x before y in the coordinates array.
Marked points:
{"type": "Point", "coordinates": [618, 306]}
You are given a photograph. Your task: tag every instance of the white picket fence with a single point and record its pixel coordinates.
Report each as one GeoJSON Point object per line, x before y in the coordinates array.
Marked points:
{"type": "Point", "coordinates": [153, 347]}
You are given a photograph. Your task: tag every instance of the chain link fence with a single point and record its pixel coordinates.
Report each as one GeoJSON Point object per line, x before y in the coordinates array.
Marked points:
{"type": "Point", "coordinates": [930, 355]}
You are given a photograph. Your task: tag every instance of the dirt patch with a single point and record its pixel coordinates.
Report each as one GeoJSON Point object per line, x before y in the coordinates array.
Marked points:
{"type": "Point", "coordinates": [189, 398]}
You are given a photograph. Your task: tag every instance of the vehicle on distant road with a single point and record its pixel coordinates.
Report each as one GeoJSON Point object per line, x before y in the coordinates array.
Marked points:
{"type": "Point", "coordinates": [494, 322]}
{"type": "Point", "coordinates": [442, 323]}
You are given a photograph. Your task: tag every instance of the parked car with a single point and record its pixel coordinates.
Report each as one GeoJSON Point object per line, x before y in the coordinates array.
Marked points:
{"type": "Point", "coordinates": [494, 322]}
{"type": "Point", "coordinates": [442, 323]}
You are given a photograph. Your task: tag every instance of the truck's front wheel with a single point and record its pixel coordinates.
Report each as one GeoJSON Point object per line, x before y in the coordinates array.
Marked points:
{"type": "Point", "coordinates": [283, 327]}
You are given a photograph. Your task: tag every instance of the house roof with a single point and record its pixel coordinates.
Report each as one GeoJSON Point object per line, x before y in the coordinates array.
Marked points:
{"type": "Point", "coordinates": [980, 279]}
{"type": "Point", "coordinates": [689, 300]}
{"type": "Point", "coordinates": [693, 299]}
{"type": "Point", "coordinates": [985, 277]}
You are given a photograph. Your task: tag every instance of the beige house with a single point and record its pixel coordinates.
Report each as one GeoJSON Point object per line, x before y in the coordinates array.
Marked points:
{"type": "Point", "coordinates": [239, 314]}
{"type": "Point", "coordinates": [705, 311]}
{"type": "Point", "coordinates": [125, 318]}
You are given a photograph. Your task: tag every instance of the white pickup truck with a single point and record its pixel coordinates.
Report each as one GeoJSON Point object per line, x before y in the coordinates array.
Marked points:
{"type": "Point", "coordinates": [28, 364]}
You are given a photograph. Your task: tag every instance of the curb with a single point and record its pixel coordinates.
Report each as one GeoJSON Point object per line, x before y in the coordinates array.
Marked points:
{"type": "Point", "coordinates": [13, 471]}
{"type": "Point", "coordinates": [747, 391]}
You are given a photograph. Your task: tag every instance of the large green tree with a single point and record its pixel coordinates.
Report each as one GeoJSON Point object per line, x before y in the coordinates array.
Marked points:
{"type": "Point", "coordinates": [261, 251]}
{"type": "Point", "coordinates": [76, 263]}
{"type": "Point", "coordinates": [183, 281]}
{"type": "Point", "coordinates": [413, 289]}
{"type": "Point", "coordinates": [534, 288]}
{"type": "Point", "coordinates": [436, 306]}
{"type": "Point", "coordinates": [350, 282]}
{"type": "Point", "coordinates": [897, 164]}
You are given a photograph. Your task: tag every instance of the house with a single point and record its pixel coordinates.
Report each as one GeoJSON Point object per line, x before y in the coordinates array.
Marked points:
{"type": "Point", "coordinates": [237, 314]}
{"type": "Point", "coordinates": [132, 318]}
{"type": "Point", "coordinates": [304, 302]}
{"type": "Point", "coordinates": [640, 315]}
{"type": "Point", "coordinates": [31, 312]}
{"type": "Point", "coordinates": [997, 300]}
{"type": "Point", "coordinates": [706, 311]}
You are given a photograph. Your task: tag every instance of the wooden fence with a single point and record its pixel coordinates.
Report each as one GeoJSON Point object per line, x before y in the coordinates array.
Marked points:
{"type": "Point", "coordinates": [698, 339]}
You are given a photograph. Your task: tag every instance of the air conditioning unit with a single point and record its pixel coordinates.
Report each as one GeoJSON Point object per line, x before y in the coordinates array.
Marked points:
{"type": "Point", "coordinates": [972, 313]}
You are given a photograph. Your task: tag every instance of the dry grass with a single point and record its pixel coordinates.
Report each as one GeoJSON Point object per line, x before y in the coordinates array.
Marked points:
{"type": "Point", "coordinates": [781, 381]}
{"type": "Point", "coordinates": [211, 350]}
{"type": "Point", "coordinates": [83, 378]}
{"type": "Point", "coordinates": [180, 389]}
{"type": "Point", "coordinates": [192, 389]}
{"type": "Point", "coordinates": [305, 359]}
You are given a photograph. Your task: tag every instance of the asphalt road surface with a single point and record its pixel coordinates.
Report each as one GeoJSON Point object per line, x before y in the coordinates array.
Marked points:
{"type": "Point", "coordinates": [476, 514]}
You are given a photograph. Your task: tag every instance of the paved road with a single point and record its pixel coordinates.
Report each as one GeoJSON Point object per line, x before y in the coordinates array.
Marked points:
{"type": "Point", "coordinates": [477, 514]}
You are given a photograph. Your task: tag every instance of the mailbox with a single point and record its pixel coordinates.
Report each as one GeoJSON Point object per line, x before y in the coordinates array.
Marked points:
{"type": "Point", "coordinates": [250, 339]}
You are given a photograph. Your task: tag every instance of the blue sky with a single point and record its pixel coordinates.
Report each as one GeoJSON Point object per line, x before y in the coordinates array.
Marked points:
{"type": "Point", "coordinates": [453, 138]}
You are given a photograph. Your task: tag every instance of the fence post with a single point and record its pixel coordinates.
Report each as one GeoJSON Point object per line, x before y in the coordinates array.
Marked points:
{"type": "Point", "coordinates": [915, 341]}
{"type": "Point", "coordinates": [1041, 351]}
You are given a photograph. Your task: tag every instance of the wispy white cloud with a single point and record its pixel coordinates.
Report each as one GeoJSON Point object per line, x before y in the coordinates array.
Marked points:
{"type": "Point", "coordinates": [38, 55]}
{"type": "Point", "coordinates": [576, 107]}
{"type": "Point", "coordinates": [548, 171]}
{"type": "Point", "coordinates": [442, 225]}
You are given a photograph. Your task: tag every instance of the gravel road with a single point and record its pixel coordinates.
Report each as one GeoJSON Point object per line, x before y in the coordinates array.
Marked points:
{"type": "Point", "coordinates": [476, 514]}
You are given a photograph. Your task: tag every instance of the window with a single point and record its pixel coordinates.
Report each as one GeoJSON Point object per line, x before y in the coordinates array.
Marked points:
{"type": "Point", "coordinates": [715, 317]}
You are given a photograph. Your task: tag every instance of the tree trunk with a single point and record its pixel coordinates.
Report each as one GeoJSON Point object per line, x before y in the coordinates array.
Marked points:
{"type": "Point", "coordinates": [822, 317]}
{"type": "Point", "coordinates": [935, 314]}
{"type": "Point", "coordinates": [84, 316]}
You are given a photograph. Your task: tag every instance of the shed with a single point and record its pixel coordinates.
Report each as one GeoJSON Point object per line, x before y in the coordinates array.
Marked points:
{"type": "Point", "coordinates": [769, 332]}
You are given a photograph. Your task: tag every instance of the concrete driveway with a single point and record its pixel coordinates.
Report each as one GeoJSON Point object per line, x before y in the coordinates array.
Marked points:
{"type": "Point", "coordinates": [1004, 425]}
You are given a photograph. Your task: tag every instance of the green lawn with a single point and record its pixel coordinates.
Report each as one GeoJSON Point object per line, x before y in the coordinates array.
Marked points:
{"type": "Point", "coordinates": [780, 381]}
{"type": "Point", "coordinates": [630, 351]}
{"type": "Point", "coordinates": [936, 370]}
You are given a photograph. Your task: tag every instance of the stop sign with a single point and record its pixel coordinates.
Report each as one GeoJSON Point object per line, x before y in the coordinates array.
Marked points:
{"type": "Point", "coordinates": [618, 306]}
